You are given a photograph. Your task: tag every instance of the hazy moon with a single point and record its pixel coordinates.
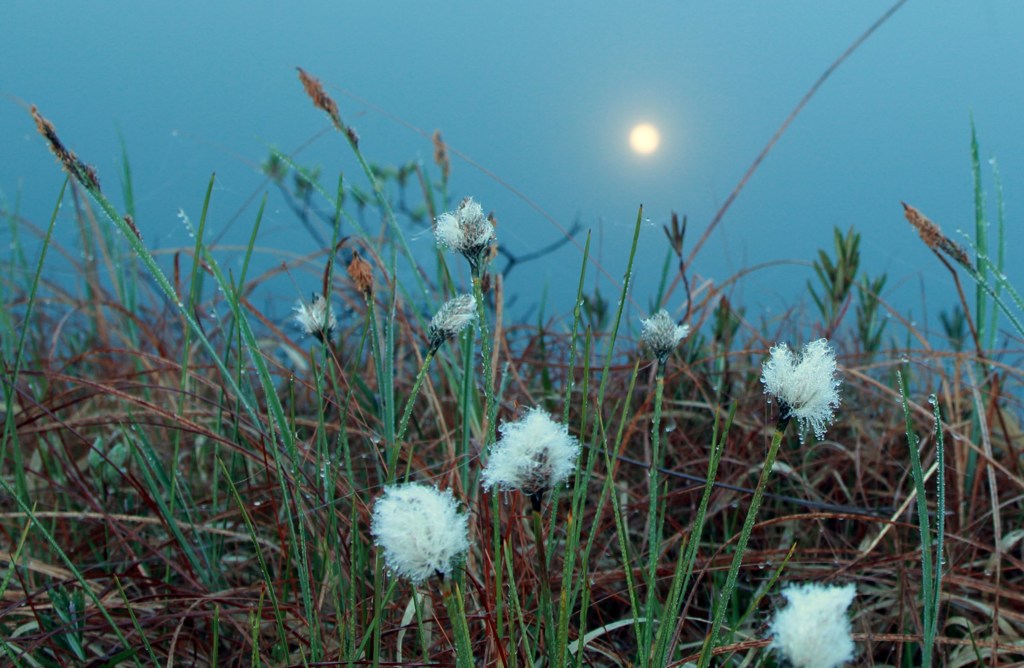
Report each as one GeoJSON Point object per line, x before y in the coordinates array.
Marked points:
{"type": "Point", "coordinates": [644, 139]}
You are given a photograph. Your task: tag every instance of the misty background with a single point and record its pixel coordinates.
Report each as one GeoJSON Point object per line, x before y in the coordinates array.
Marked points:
{"type": "Point", "coordinates": [542, 96]}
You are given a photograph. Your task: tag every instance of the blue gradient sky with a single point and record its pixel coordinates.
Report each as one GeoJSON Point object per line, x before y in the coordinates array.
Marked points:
{"type": "Point", "coordinates": [544, 96]}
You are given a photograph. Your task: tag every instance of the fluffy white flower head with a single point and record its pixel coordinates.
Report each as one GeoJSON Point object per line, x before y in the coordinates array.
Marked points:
{"type": "Point", "coordinates": [535, 453]}
{"type": "Point", "coordinates": [661, 334]}
{"type": "Point", "coordinates": [813, 630]}
{"type": "Point", "coordinates": [420, 530]}
{"type": "Point", "coordinates": [316, 318]}
{"type": "Point", "coordinates": [466, 231]}
{"type": "Point", "coordinates": [808, 387]}
{"type": "Point", "coordinates": [453, 316]}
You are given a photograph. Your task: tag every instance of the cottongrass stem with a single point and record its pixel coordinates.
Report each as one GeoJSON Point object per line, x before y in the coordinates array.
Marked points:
{"type": "Point", "coordinates": [316, 318]}
{"type": "Point", "coordinates": [421, 531]}
{"type": "Point", "coordinates": [453, 316]}
{"type": "Point", "coordinates": [534, 455]}
{"type": "Point", "coordinates": [808, 391]}
{"type": "Point", "coordinates": [813, 630]}
{"type": "Point", "coordinates": [661, 335]}
{"type": "Point", "coordinates": [806, 387]}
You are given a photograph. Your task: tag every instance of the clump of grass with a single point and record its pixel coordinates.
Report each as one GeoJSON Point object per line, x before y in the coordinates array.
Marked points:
{"type": "Point", "coordinates": [187, 479]}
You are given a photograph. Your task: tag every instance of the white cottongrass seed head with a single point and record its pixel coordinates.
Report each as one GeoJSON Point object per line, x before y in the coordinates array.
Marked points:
{"type": "Point", "coordinates": [466, 231]}
{"type": "Point", "coordinates": [420, 530]}
{"type": "Point", "coordinates": [807, 387]}
{"type": "Point", "coordinates": [535, 453]}
{"type": "Point", "coordinates": [661, 334]}
{"type": "Point", "coordinates": [316, 318]}
{"type": "Point", "coordinates": [453, 316]}
{"type": "Point", "coordinates": [813, 630]}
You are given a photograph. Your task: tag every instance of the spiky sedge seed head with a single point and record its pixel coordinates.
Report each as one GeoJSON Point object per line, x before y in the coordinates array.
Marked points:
{"type": "Point", "coordinates": [813, 630]}
{"type": "Point", "coordinates": [361, 273]}
{"type": "Point", "coordinates": [467, 232]}
{"type": "Point", "coordinates": [807, 387]}
{"type": "Point", "coordinates": [421, 531]}
{"type": "Point", "coordinates": [316, 318]}
{"type": "Point", "coordinates": [535, 453]}
{"type": "Point", "coordinates": [661, 334]}
{"type": "Point", "coordinates": [453, 316]}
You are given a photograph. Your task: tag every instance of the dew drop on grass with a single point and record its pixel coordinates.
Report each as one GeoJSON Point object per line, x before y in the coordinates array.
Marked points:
{"type": "Point", "coordinates": [933, 400]}
{"type": "Point", "coordinates": [670, 426]}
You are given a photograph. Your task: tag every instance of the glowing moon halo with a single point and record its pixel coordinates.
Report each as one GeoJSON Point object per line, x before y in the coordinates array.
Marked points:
{"type": "Point", "coordinates": [644, 138]}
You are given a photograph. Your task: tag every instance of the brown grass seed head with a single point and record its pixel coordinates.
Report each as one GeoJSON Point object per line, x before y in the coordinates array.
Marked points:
{"type": "Point", "coordinates": [321, 100]}
{"type": "Point", "coordinates": [85, 174]}
{"type": "Point", "coordinates": [933, 237]}
{"type": "Point", "coordinates": [361, 273]}
{"type": "Point", "coordinates": [441, 158]}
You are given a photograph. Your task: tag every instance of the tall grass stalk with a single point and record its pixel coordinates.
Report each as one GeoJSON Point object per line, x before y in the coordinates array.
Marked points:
{"type": "Point", "coordinates": [666, 633]}
{"type": "Point", "coordinates": [570, 586]}
{"type": "Point", "coordinates": [932, 557]}
{"type": "Point", "coordinates": [490, 407]}
{"type": "Point", "coordinates": [11, 382]}
{"type": "Point", "coordinates": [546, 619]}
{"type": "Point", "coordinates": [599, 437]}
{"type": "Point", "coordinates": [724, 601]}
{"type": "Point", "coordinates": [193, 303]}
{"type": "Point", "coordinates": [655, 507]}
{"type": "Point", "coordinates": [455, 604]}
